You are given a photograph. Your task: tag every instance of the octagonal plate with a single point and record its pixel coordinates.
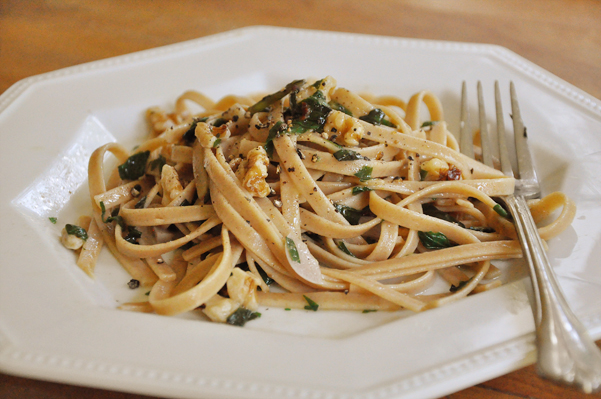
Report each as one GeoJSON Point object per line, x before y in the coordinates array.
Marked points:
{"type": "Point", "coordinates": [57, 324]}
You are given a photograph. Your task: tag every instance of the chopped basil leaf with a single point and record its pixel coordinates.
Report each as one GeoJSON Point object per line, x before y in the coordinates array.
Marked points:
{"type": "Point", "coordinates": [132, 235]}
{"type": "Point", "coordinates": [268, 280]}
{"type": "Point", "coordinates": [112, 218]}
{"type": "Point", "coordinates": [312, 305]}
{"type": "Point", "coordinates": [134, 167]}
{"type": "Point", "coordinates": [500, 210]}
{"type": "Point", "coordinates": [460, 286]}
{"type": "Point", "coordinates": [292, 251]}
{"type": "Point", "coordinates": [76, 231]}
{"type": "Point", "coordinates": [336, 106]}
{"type": "Point", "coordinates": [350, 214]}
{"type": "Point", "coordinates": [434, 240]}
{"type": "Point", "coordinates": [342, 246]}
{"type": "Point", "coordinates": [428, 124]}
{"type": "Point", "coordinates": [360, 189]}
{"type": "Point", "coordinates": [376, 117]}
{"type": "Point", "coordinates": [365, 173]}
{"type": "Point", "coordinates": [433, 211]}
{"type": "Point", "coordinates": [348, 155]}
{"type": "Point", "coordinates": [241, 316]}
{"type": "Point", "coordinates": [271, 98]}
{"type": "Point", "coordinates": [216, 142]}
{"type": "Point", "coordinates": [219, 122]}
{"type": "Point", "coordinates": [310, 114]}
{"type": "Point", "coordinates": [317, 84]}
{"type": "Point", "coordinates": [140, 204]}
{"type": "Point", "coordinates": [274, 132]}
{"type": "Point", "coordinates": [53, 220]}
{"type": "Point", "coordinates": [423, 174]}
{"type": "Point", "coordinates": [482, 229]}
{"type": "Point", "coordinates": [158, 163]}
{"type": "Point", "coordinates": [190, 134]}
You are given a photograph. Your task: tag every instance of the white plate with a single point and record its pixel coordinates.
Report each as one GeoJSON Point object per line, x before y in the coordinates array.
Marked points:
{"type": "Point", "coordinates": [57, 324]}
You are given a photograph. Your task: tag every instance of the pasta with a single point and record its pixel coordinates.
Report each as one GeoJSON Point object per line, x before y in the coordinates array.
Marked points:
{"type": "Point", "coordinates": [311, 197]}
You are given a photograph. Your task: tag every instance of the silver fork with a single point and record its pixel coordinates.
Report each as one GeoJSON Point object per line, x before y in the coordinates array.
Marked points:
{"type": "Point", "coordinates": [565, 352]}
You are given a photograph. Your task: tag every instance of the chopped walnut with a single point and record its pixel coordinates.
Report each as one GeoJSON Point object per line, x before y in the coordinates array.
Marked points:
{"type": "Point", "coordinates": [241, 289]}
{"type": "Point", "coordinates": [440, 170]}
{"type": "Point", "coordinates": [349, 130]}
{"type": "Point", "coordinates": [252, 172]}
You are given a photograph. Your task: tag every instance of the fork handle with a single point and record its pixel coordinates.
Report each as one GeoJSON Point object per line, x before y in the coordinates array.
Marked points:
{"type": "Point", "coordinates": [565, 352]}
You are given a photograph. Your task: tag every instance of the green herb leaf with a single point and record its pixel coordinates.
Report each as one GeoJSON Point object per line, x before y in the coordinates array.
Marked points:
{"type": "Point", "coordinates": [158, 163]}
{"type": "Point", "coordinates": [241, 316]}
{"type": "Point", "coordinates": [342, 246]}
{"type": "Point", "coordinates": [219, 122]}
{"type": "Point", "coordinates": [460, 286]}
{"type": "Point", "coordinates": [274, 132]}
{"type": "Point", "coordinates": [482, 229]}
{"type": "Point", "coordinates": [423, 174]}
{"type": "Point", "coordinates": [312, 305]}
{"type": "Point", "coordinates": [292, 251]}
{"type": "Point", "coordinates": [348, 155]}
{"type": "Point", "coordinates": [111, 218]}
{"type": "Point", "coordinates": [434, 240]}
{"type": "Point", "coordinates": [428, 124]}
{"type": "Point", "coordinates": [360, 189]}
{"type": "Point", "coordinates": [365, 173]}
{"type": "Point", "coordinates": [310, 114]}
{"type": "Point", "coordinates": [351, 214]}
{"type": "Point", "coordinates": [216, 142]}
{"type": "Point", "coordinates": [268, 280]}
{"type": "Point", "coordinates": [500, 210]}
{"type": "Point", "coordinates": [339, 107]}
{"type": "Point", "coordinates": [53, 220]}
{"type": "Point", "coordinates": [132, 235]}
{"type": "Point", "coordinates": [76, 231]}
{"type": "Point", "coordinates": [376, 117]}
{"type": "Point", "coordinates": [369, 310]}
{"type": "Point", "coordinates": [190, 134]}
{"type": "Point", "coordinates": [271, 98]}
{"type": "Point", "coordinates": [134, 167]}
{"type": "Point", "coordinates": [433, 211]}
{"type": "Point", "coordinates": [140, 204]}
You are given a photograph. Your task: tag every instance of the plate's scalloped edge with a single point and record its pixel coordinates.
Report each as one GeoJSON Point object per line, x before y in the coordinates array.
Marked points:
{"type": "Point", "coordinates": [509, 57]}
{"type": "Point", "coordinates": [515, 353]}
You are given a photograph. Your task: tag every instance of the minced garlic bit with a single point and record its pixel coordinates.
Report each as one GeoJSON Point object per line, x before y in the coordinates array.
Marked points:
{"type": "Point", "coordinates": [349, 130]}
{"type": "Point", "coordinates": [252, 172]}
{"type": "Point", "coordinates": [71, 241]}
{"type": "Point", "coordinates": [241, 288]}
{"type": "Point", "coordinates": [219, 308]}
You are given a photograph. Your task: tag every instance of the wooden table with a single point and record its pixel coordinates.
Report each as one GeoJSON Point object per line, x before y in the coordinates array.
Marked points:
{"type": "Point", "coordinates": [562, 36]}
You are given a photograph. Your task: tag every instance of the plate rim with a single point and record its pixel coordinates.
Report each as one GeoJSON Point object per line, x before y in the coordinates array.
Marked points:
{"type": "Point", "coordinates": [10, 355]}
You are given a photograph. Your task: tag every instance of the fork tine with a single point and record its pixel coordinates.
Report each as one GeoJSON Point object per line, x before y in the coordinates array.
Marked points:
{"type": "Point", "coordinates": [484, 136]}
{"type": "Point", "coordinates": [466, 141]}
{"type": "Point", "coordinates": [503, 152]}
{"type": "Point", "coordinates": [526, 171]}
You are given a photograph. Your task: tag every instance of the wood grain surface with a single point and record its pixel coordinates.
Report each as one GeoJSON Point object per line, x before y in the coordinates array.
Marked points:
{"type": "Point", "coordinates": [562, 36]}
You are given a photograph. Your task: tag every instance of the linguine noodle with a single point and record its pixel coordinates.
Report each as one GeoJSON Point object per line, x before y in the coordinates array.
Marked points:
{"type": "Point", "coordinates": [310, 197]}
